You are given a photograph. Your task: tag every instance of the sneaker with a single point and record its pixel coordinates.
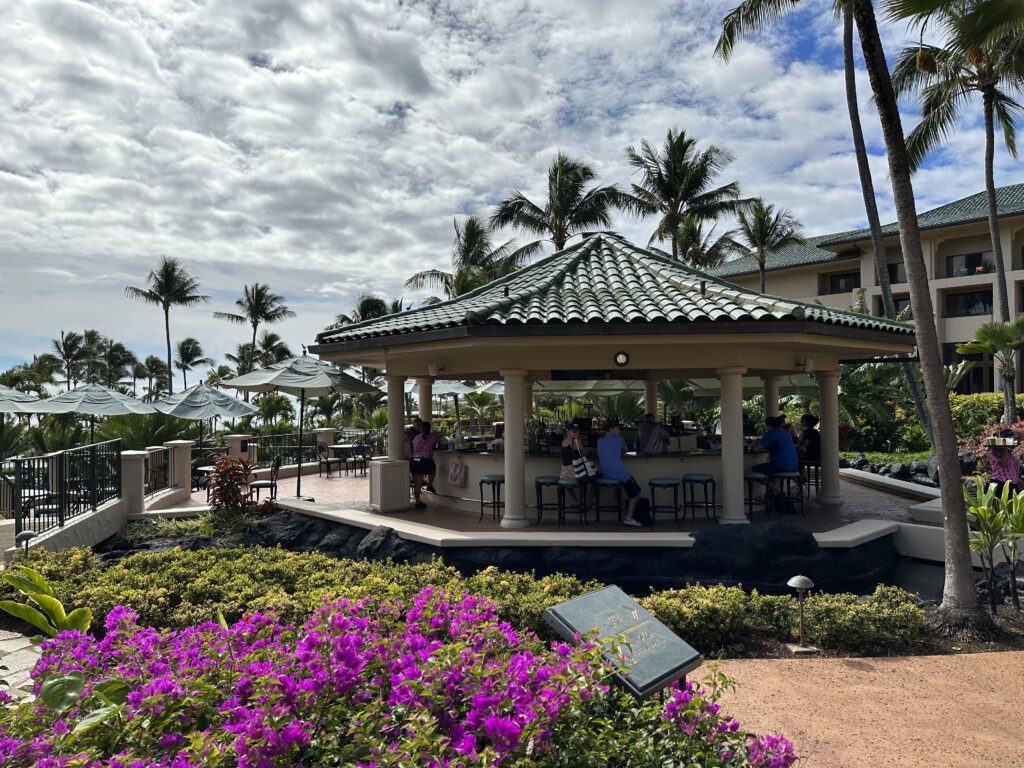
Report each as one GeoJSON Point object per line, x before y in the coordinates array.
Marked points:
{"type": "Point", "coordinates": [430, 488]}
{"type": "Point", "coordinates": [419, 505]}
{"type": "Point", "coordinates": [630, 521]}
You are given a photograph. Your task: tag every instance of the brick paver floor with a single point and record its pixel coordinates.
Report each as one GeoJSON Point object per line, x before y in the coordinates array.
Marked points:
{"type": "Point", "coordinates": [19, 655]}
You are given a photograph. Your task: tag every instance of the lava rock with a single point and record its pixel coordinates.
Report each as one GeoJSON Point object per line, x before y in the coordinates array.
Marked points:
{"type": "Point", "coordinates": [383, 543]}
{"type": "Point", "coordinates": [342, 540]}
{"type": "Point", "coordinates": [933, 469]}
{"type": "Point", "coordinates": [900, 471]}
{"type": "Point", "coordinates": [860, 461]}
{"type": "Point", "coordinates": [299, 533]}
{"type": "Point", "coordinates": [919, 467]}
{"type": "Point", "coordinates": [844, 463]}
{"type": "Point", "coordinates": [924, 480]}
{"type": "Point", "coordinates": [884, 469]}
{"type": "Point", "coordinates": [968, 462]}
{"type": "Point", "coordinates": [872, 469]}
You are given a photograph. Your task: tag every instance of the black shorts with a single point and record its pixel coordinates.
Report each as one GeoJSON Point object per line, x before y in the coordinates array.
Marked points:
{"type": "Point", "coordinates": [418, 466]}
{"type": "Point", "coordinates": [632, 488]}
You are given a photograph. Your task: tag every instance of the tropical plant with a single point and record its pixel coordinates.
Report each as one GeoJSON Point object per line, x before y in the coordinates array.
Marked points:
{"type": "Point", "coordinates": [367, 307]}
{"type": "Point", "coordinates": [272, 407]}
{"type": "Point", "coordinates": [158, 377]}
{"type": "Point", "coordinates": [242, 358]}
{"type": "Point", "coordinates": [701, 249]}
{"type": "Point", "coordinates": [118, 363]}
{"type": "Point", "coordinates": [270, 349]}
{"type": "Point", "coordinates": [139, 371]}
{"type": "Point", "coordinates": [1002, 341]}
{"type": "Point", "coordinates": [1013, 539]}
{"type": "Point", "coordinates": [69, 353]}
{"type": "Point", "coordinates": [189, 356]}
{"type": "Point", "coordinates": [43, 611]}
{"type": "Point", "coordinates": [676, 184]}
{"type": "Point", "coordinates": [257, 306]}
{"type": "Point", "coordinates": [944, 78]}
{"type": "Point", "coordinates": [572, 206]}
{"type": "Point", "coordinates": [763, 230]}
{"type": "Point", "coordinates": [169, 285]}
{"type": "Point", "coordinates": [482, 406]}
{"type": "Point", "coordinates": [988, 528]}
{"type": "Point", "coordinates": [139, 431]}
{"type": "Point", "coordinates": [475, 261]}
{"type": "Point", "coordinates": [624, 407]}
{"type": "Point", "coordinates": [216, 376]}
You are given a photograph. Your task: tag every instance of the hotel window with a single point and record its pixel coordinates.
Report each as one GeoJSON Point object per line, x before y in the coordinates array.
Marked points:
{"type": "Point", "coordinates": [965, 264]}
{"type": "Point", "coordinates": [968, 304]}
{"type": "Point", "coordinates": [897, 272]}
{"type": "Point", "coordinates": [842, 282]}
{"type": "Point", "coordinates": [903, 303]}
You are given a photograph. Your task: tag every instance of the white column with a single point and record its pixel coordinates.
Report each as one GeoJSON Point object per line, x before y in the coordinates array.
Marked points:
{"type": "Point", "coordinates": [829, 394]}
{"type": "Point", "coordinates": [515, 449]}
{"type": "Point", "coordinates": [651, 397]}
{"type": "Point", "coordinates": [133, 481]}
{"type": "Point", "coordinates": [240, 446]}
{"type": "Point", "coordinates": [426, 398]}
{"type": "Point", "coordinates": [396, 417]}
{"type": "Point", "coordinates": [771, 395]}
{"type": "Point", "coordinates": [731, 488]}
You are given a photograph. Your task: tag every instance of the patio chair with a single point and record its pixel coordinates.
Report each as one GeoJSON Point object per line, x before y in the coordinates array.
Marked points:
{"type": "Point", "coordinates": [258, 485]}
{"type": "Point", "coordinates": [324, 458]}
{"type": "Point", "coordinates": [359, 459]}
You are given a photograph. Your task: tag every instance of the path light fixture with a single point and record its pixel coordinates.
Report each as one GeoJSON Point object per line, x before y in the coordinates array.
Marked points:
{"type": "Point", "coordinates": [24, 538]}
{"type": "Point", "coordinates": [801, 584]}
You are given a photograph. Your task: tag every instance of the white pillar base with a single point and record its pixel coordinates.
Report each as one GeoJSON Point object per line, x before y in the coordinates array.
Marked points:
{"type": "Point", "coordinates": [515, 522]}
{"type": "Point", "coordinates": [830, 502]}
{"type": "Point", "coordinates": [733, 520]}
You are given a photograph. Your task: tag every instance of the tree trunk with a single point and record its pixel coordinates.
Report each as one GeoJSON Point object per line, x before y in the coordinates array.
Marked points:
{"type": "Point", "coordinates": [675, 246]}
{"type": "Point", "coordinates": [167, 331]}
{"type": "Point", "coordinates": [761, 269]}
{"type": "Point", "coordinates": [1010, 387]}
{"type": "Point", "coordinates": [990, 197]}
{"type": "Point", "coordinates": [867, 187]}
{"type": "Point", "coordinates": [960, 610]}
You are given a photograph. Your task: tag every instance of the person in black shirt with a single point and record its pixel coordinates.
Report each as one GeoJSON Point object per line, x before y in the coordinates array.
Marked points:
{"type": "Point", "coordinates": [810, 440]}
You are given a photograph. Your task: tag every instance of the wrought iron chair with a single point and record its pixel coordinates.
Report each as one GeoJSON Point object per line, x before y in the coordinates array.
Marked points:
{"type": "Point", "coordinates": [271, 484]}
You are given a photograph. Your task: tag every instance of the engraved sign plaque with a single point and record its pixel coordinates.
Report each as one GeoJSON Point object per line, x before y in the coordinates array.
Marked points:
{"type": "Point", "coordinates": [654, 655]}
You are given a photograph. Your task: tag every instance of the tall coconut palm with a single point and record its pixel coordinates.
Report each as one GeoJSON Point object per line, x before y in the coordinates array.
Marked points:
{"type": "Point", "coordinates": [169, 285]}
{"type": "Point", "coordinates": [242, 358]}
{"type": "Point", "coordinates": [572, 206]}
{"type": "Point", "coordinates": [257, 306]}
{"type": "Point", "coordinates": [943, 78]}
{"type": "Point", "coordinates": [1002, 341]}
{"type": "Point", "coordinates": [367, 307]}
{"type": "Point", "coordinates": [677, 182]}
{"type": "Point", "coordinates": [190, 355]}
{"type": "Point", "coordinates": [270, 349]}
{"type": "Point", "coordinates": [763, 230]}
{"type": "Point", "coordinates": [699, 247]}
{"type": "Point", "coordinates": [139, 371]}
{"type": "Point", "coordinates": [69, 353]}
{"type": "Point", "coordinates": [754, 15]}
{"type": "Point", "coordinates": [95, 343]}
{"type": "Point", "coordinates": [157, 377]}
{"type": "Point", "coordinates": [960, 610]}
{"type": "Point", "coordinates": [475, 261]}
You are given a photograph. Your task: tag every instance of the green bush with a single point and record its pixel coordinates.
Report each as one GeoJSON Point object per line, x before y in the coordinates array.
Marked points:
{"type": "Point", "coordinates": [888, 617]}
{"type": "Point", "coordinates": [878, 458]}
{"type": "Point", "coordinates": [711, 619]}
{"type": "Point", "coordinates": [776, 614]}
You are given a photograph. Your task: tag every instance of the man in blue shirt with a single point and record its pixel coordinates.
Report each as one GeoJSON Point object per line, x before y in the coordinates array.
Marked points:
{"type": "Point", "coordinates": [610, 450]}
{"type": "Point", "coordinates": [780, 446]}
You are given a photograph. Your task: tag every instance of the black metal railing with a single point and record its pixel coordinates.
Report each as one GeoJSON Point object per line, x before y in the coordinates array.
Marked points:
{"type": "Point", "coordinates": [287, 446]}
{"type": "Point", "coordinates": [375, 440]}
{"type": "Point", "coordinates": [47, 491]}
{"type": "Point", "coordinates": [158, 470]}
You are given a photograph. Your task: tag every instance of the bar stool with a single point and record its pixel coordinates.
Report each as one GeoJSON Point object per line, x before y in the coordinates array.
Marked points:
{"type": "Point", "coordinates": [708, 503]}
{"type": "Point", "coordinates": [786, 481]}
{"type": "Point", "coordinates": [564, 485]}
{"type": "Point", "coordinates": [609, 483]}
{"type": "Point", "coordinates": [540, 483]}
{"type": "Point", "coordinates": [495, 504]}
{"type": "Point", "coordinates": [756, 501]}
{"type": "Point", "coordinates": [665, 482]}
{"type": "Point", "coordinates": [812, 477]}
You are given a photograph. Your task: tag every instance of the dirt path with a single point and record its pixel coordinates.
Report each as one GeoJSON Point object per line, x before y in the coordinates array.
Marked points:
{"type": "Point", "coordinates": [950, 711]}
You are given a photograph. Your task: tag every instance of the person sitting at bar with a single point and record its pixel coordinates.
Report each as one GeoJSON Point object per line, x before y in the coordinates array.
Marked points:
{"type": "Point", "coordinates": [422, 463]}
{"type": "Point", "coordinates": [809, 447]}
{"type": "Point", "coordinates": [779, 443]}
{"type": "Point", "coordinates": [573, 449]}
{"type": "Point", "coordinates": [651, 438]}
{"type": "Point", "coordinates": [610, 450]}
{"type": "Point", "coordinates": [1004, 464]}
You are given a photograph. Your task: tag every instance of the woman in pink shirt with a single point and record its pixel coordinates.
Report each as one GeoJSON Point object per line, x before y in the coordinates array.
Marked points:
{"type": "Point", "coordinates": [422, 463]}
{"type": "Point", "coordinates": [1005, 466]}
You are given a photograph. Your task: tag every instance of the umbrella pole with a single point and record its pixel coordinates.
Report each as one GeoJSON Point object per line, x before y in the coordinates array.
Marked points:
{"type": "Point", "coordinates": [200, 433]}
{"type": "Point", "coordinates": [458, 418]}
{"type": "Point", "coordinates": [302, 413]}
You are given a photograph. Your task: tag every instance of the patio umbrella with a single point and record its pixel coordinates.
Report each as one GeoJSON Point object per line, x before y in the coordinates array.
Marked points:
{"type": "Point", "coordinates": [443, 388]}
{"type": "Point", "coordinates": [300, 376]}
{"type": "Point", "coordinates": [202, 401]}
{"type": "Point", "coordinates": [94, 400]}
{"type": "Point", "coordinates": [13, 401]}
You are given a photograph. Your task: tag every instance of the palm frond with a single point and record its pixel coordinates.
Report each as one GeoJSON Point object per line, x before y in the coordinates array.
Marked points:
{"type": "Point", "coordinates": [749, 17]}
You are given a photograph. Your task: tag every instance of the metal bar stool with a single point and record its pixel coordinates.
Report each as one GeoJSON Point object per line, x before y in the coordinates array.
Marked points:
{"type": "Point", "coordinates": [786, 481]}
{"type": "Point", "coordinates": [607, 482]}
{"type": "Point", "coordinates": [564, 485]}
{"type": "Point", "coordinates": [811, 471]}
{"type": "Point", "coordinates": [710, 501]}
{"type": "Point", "coordinates": [756, 501]}
{"type": "Point", "coordinates": [664, 482]}
{"type": "Point", "coordinates": [540, 483]}
{"type": "Point", "coordinates": [496, 505]}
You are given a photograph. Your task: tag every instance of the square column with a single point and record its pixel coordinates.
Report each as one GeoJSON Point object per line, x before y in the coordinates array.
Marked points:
{"type": "Point", "coordinates": [396, 417]}
{"type": "Point", "coordinates": [731, 380]}
{"type": "Point", "coordinates": [425, 388]}
{"type": "Point", "coordinates": [651, 397]}
{"type": "Point", "coordinates": [515, 450]}
{"type": "Point", "coordinates": [771, 395]}
{"type": "Point", "coordinates": [828, 385]}
{"type": "Point", "coordinates": [179, 462]}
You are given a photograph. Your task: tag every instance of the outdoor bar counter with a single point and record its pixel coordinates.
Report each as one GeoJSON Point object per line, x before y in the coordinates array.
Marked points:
{"type": "Point", "coordinates": [643, 468]}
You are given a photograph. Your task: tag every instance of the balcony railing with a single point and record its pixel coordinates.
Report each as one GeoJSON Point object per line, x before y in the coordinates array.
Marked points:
{"type": "Point", "coordinates": [287, 446]}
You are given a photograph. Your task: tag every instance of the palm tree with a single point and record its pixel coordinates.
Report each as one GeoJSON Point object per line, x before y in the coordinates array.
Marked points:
{"type": "Point", "coordinates": [242, 359]}
{"type": "Point", "coordinates": [157, 376]}
{"type": "Point", "coordinates": [676, 182]}
{"type": "Point", "coordinates": [367, 307]}
{"type": "Point", "coordinates": [475, 261]}
{"type": "Point", "coordinates": [944, 79]}
{"type": "Point", "coordinates": [701, 249]}
{"type": "Point", "coordinates": [69, 353]}
{"type": "Point", "coordinates": [572, 206]}
{"type": "Point", "coordinates": [190, 355]}
{"type": "Point", "coordinates": [139, 371]}
{"type": "Point", "coordinates": [118, 362]}
{"type": "Point", "coordinates": [1002, 341]}
{"type": "Point", "coordinates": [169, 285]}
{"type": "Point", "coordinates": [221, 373]}
{"type": "Point", "coordinates": [271, 349]}
{"type": "Point", "coordinates": [762, 230]}
{"type": "Point", "coordinates": [257, 305]}
{"type": "Point", "coordinates": [95, 344]}
{"type": "Point", "coordinates": [960, 610]}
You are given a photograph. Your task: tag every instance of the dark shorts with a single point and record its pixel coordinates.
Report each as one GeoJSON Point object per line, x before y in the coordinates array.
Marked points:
{"type": "Point", "coordinates": [422, 466]}
{"type": "Point", "coordinates": [769, 469]}
{"type": "Point", "coordinates": [632, 488]}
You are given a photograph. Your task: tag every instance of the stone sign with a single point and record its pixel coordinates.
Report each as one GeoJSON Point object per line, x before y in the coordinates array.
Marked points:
{"type": "Point", "coordinates": [654, 655]}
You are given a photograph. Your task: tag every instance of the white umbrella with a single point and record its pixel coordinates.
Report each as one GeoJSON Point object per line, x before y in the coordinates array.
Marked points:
{"type": "Point", "coordinates": [300, 376]}
{"type": "Point", "coordinates": [14, 401]}
{"type": "Point", "coordinates": [94, 400]}
{"type": "Point", "coordinates": [202, 401]}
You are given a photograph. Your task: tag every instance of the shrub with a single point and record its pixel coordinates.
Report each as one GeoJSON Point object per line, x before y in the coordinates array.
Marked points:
{"type": "Point", "coordinates": [777, 614]}
{"type": "Point", "coordinates": [889, 616]}
{"type": "Point", "coordinates": [711, 619]}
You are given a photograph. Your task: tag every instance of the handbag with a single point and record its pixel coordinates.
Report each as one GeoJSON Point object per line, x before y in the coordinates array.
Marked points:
{"type": "Point", "coordinates": [582, 466]}
{"type": "Point", "coordinates": [457, 473]}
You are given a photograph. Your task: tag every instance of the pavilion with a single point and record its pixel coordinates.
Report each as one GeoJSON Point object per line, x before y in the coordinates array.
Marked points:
{"type": "Point", "coordinates": [605, 308]}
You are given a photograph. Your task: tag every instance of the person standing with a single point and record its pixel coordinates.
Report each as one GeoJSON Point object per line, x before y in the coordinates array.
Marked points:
{"type": "Point", "coordinates": [1004, 464]}
{"type": "Point", "coordinates": [610, 450]}
{"type": "Point", "coordinates": [422, 463]}
{"type": "Point", "coordinates": [810, 439]}
{"type": "Point", "coordinates": [651, 438]}
{"type": "Point", "coordinates": [572, 449]}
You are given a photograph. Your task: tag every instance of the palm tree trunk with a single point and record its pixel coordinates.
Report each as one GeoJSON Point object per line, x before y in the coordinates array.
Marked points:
{"type": "Point", "coordinates": [167, 331]}
{"type": "Point", "coordinates": [990, 197]}
{"type": "Point", "coordinates": [675, 246]}
{"type": "Point", "coordinates": [960, 610]}
{"type": "Point", "coordinates": [1010, 387]}
{"type": "Point", "coordinates": [761, 269]}
{"type": "Point", "coordinates": [867, 187]}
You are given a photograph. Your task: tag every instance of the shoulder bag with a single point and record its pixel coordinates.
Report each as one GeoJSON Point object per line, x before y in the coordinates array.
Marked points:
{"type": "Point", "coordinates": [457, 473]}
{"type": "Point", "coordinates": [581, 465]}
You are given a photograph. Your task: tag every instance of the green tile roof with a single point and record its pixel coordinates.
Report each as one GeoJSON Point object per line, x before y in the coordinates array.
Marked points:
{"type": "Point", "coordinates": [1009, 202]}
{"type": "Point", "coordinates": [604, 279]}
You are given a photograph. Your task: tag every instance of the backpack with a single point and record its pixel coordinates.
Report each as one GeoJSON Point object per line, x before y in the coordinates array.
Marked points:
{"type": "Point", "coordinates": [782, 504]}
{"type": "Point", "coordinates": [642, 513]}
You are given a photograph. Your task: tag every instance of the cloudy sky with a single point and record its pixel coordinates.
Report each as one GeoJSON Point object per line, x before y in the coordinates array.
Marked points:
{"type": "Point", "coordinates": [325, 146]}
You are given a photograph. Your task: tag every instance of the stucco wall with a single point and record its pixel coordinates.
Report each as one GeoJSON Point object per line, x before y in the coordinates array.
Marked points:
{"type": "Point", "coordinates": [83, 531]}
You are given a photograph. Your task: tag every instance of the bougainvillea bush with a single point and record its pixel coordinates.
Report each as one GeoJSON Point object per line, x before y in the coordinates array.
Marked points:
{"type": "Point", "coordinates": [439, 681]}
